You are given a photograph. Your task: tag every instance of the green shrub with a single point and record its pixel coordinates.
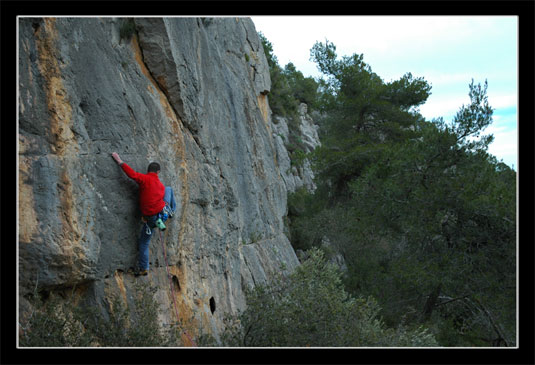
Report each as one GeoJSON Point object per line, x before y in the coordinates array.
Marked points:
{"type": "Point", "coordinates": [311, 308]}
{"type": "Point", "coordinates": [61, 323]}
{"type": "Point", "coordinates": [54, 324]}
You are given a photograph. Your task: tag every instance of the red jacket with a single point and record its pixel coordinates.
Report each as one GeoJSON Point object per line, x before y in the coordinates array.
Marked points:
{"type": "Point", "coordinates": [151, 190]}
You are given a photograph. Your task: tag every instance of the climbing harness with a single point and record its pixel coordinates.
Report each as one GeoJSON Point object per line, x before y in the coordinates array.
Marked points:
{"type": "Point", "coordinates": [166, 212]}
{"type": "Point", "coordinates": [172, 288]}
{"type": "Point", "coordinates": [160, 218]}
{"type": "Point", "coordinates": [147, 230]}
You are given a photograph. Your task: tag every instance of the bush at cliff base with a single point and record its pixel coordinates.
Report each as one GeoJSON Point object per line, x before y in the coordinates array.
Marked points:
{"type": "Point", "coordinates": [311, 308]}
{"type": "Point", "coordinates": [61, 323]}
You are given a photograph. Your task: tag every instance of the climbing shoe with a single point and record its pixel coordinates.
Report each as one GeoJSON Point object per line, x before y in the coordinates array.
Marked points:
{"type": "Point", "coordinates": [137, 271]}
{"type": "Point", "coordinates": [141, 273]}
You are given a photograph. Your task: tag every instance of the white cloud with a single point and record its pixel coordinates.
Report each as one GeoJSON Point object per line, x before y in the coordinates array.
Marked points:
{"type": "Point", "coordinates": [503, 101]}
{"type": "Point", "coordinates": [377, 36]}
{"type": "Point", "coordinates": [444, 107]}
{"type": "Point", "coordinates": [505, 146]}
{"type": "Point", "coordinates": [447, 105]}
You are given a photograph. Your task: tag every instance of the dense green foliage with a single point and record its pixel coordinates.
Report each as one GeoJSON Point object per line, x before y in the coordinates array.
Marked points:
{"type": "Point", "coordinates": [311, 308]}
{"type": "Point", "coordinates": [62, 323]}
{"type": "Point", "coordinates": [424, 217]}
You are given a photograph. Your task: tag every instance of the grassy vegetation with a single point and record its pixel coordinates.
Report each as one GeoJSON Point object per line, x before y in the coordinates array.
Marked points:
{"type": "Point", "coordinates": [59, 322]}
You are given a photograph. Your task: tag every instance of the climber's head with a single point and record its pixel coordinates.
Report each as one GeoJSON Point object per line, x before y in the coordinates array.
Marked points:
{"type": "Point", "coordinates": [153, 167]}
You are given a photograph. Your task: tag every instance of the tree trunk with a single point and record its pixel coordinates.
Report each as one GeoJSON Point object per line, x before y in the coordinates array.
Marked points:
{"type": "Point", "coordinates": [430, 303]}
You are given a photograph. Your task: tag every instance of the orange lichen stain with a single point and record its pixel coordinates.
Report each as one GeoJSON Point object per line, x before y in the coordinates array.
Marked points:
{"type": "Point", "coordinates": [264, 109]}
{"type": "Point", "coordinates": [184, 308]}
{"type": "Point", "coordinates": [139, 59]}
{"type": "Point", "coordinates": [180, 152]}
{"type": "Point", "coordinates": [64, 145]}
{"type": "Point", "coordinates": [118, 275]}
{"type": "Point", "coordinates": [162, 83]}
{"type": "Point", "coordinates": [28, 223]}
{"type": "Point", "coordinates": [59, 108]}
{"type": "Point", "coordinates": [72, 247]}
{"type": "Point", "coordinates": [263, 105]}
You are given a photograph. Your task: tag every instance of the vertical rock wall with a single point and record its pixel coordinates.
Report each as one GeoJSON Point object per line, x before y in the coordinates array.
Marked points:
{"type": "Point", "coordinates": [296, 177]}
{"type": "Point", "coordinates": [189, 93]}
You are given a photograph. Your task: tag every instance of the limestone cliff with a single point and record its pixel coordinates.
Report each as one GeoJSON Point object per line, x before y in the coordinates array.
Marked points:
{"type": "Point", "coordinates": [296, 177]}
{"type": "Point", "coordinates": [189, 93]}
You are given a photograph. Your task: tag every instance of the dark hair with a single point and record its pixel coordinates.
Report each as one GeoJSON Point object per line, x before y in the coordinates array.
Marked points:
{"type": "Point", "coordinates": [153, 167]}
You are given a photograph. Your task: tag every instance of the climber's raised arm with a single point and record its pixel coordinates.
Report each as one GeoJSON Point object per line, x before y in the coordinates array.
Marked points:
{"type": "Point", "coordinates": [130, 172]}
{"type": "Point", "coordinates": [117, 159]}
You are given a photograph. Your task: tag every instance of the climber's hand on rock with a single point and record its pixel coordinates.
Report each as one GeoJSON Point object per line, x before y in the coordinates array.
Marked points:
{"type": "Point", "coordinates": [116, 158]}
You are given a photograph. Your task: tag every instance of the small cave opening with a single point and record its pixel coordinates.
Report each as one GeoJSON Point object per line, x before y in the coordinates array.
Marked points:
{"type": "Point", "coordinates": [44, 295]}
{"type": "Point", "coordinates": [212, 305]}
{"type": "Point", "coordinates": [176, 283]}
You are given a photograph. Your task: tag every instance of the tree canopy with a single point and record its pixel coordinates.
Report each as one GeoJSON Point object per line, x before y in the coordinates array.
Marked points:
{"type": "Point", "coordinates": [424, 216]}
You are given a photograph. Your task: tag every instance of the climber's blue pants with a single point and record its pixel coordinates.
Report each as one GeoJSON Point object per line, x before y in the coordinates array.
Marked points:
{"type": "Point", "coordinates": [169, 198]}
{"type": "Point", "coordinates": [148, 228]}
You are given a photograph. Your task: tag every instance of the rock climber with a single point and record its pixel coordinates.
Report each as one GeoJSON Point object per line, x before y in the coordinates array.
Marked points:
{"type": "Point", "coordinates": [157, 203]}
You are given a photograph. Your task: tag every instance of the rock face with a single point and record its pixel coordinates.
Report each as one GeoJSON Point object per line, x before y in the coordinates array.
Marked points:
{"type": "Point", "coordinates": [302, 176]}
{"type": "Point", "coordinates": [189, 93]}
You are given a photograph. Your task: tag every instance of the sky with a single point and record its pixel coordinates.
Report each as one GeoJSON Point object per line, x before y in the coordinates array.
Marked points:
{"type": "Point", "coordinates": [447, 51]}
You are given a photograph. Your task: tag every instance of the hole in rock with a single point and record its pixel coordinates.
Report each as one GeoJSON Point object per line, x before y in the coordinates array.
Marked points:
{"type": "Point", "coordinates": [176, 283]}
{"type": "Point", "coordinates": [84, 106]}
{"type": "Point", "coordinates": [212, 305]}
{"type": "Point", "coordinates": [44, 294]}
